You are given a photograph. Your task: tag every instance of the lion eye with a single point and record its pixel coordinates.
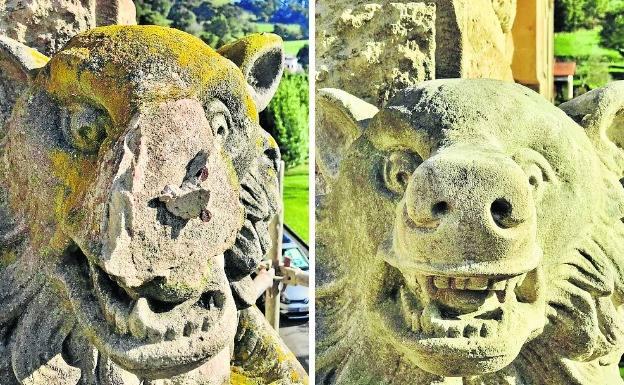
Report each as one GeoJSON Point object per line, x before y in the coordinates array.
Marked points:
{"type": "Point", "coordinates": [219, 119]}
{"type": "Point", "coordinates": [219, 125]}
{"type": "Point", "coordinates": [537, 169]}
{"type": "Point", "coordinates": [398, 168]}
{"type": "Point", "coordinates": [85, 128]}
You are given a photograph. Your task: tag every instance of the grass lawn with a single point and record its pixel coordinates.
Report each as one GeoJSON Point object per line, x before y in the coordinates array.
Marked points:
{"type": "Point", "coordinates": [264, 27]}
{"type": "Point", "coordinates": [218, 3]}
{"type": "Point", "coordinates": [291, 47]}
{"type": "Point", "coordinates": [622, 372]}
{"type": "Point", "coordinates": [583, 43]}
{"type": "Point", "coordinates": [296, 200]}
{"type": "Point", "coordinates": [594, 63]}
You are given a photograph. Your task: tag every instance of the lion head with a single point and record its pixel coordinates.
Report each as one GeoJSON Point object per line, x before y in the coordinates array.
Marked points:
{"type": "Point", "coordinates": [470, 229]}
{"type": "Point", "coordinates": [137, 190]}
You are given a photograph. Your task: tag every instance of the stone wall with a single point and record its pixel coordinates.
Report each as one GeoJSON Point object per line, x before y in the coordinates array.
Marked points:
{"type": "Point", "coordinates": [371, 50]}
{"type": "Point", "coordinates": [48, 25]}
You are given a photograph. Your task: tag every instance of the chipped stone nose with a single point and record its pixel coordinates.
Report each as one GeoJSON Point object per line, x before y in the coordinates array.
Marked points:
{"type": "Point", "coordinates": [474, 189]}
{"type": "Point", "coordinates": [190, 200]}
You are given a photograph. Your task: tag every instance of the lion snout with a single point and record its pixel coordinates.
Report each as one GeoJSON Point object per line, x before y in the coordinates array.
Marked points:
{"type": "Point", "coordinates": [173, 208]}
{"type": "Point", "coordinates": [470, 211]}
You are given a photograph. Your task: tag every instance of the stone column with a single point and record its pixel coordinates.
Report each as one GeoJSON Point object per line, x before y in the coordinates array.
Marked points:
{"type": "Point", "coordinates": [533, 33]}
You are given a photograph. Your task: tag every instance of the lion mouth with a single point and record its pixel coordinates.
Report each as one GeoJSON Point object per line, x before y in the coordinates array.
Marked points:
{"type": "Point", "coordinates": [147, 337]}
{"type": "Point", "coordinates": [152, 320]}
{"type": "Point", "coordinates": [463, 307]}
{"type": "Point", "coordinates": [453, 323]}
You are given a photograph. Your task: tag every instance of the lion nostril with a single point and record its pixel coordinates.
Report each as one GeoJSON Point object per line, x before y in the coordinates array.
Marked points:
{"type": "Point", "coordinates": [439, 209]}
{"type": "Point", "coordinates": [202, 174]}
{"type": "Point", "coordinates": [501, 212]}
{"type": "Point", "coordinates": [205, 215]}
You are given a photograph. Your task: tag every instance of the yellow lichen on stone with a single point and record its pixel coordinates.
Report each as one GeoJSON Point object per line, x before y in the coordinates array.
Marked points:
{"type": "Point", "coordinates": [245, 49]}
{"type": "Point", "coordinates": [102, 65]}
{"type": "Point", "coordinates": [74, 173]}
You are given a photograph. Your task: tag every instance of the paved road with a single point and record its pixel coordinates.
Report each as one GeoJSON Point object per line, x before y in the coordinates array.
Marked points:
{"type": "Point", "coordinates": [295, 334]}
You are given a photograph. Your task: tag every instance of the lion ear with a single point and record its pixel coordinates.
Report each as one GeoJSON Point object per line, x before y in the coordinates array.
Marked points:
{"type": "Point", "coordinates": [18, 62]}
{"type": "Point", "coordinates": [260, 57]}
{"type": "Point", "coordinates": [601, 113]}
{"type": "Point", "coordinates": [340, 119]}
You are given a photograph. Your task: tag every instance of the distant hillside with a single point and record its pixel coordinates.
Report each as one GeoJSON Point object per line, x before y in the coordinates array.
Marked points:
{"type": "Point", "coordinates": [218, 22]}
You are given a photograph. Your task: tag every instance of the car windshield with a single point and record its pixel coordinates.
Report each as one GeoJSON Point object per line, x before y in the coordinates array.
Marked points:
{"type": "Point", "coordinates": [297, 259]}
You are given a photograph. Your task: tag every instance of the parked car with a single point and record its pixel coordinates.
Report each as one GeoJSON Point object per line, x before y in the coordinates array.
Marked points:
{"type": "Point", "coordinates": [294, 300]}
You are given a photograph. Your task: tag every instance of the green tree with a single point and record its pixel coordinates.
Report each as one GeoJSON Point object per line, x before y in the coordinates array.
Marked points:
{"type": "Point", "coordinates": [594, 73]}
{"type": "Point", "coordinates": [263, 9]}
{"type": "Point", "coordinates": [612, 33]}
{"type": "Point", "coordinates": [571, 15]}
{"type": "Point", "coordinates": [288, 32]}
{"type": "Point", "coordinates": [184, 19]}
{"type": "Point", "coordinates": [303, 56]}
{"type": "Point", "coordinates": [286, 118]}
{"type": "Point", "coordinates": [153, 12]}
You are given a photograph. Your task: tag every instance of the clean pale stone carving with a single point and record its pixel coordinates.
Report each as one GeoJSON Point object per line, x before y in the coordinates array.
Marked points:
{"type": "Point", "coordinates": [471, 234]}
{"type": "Point", "coordinates": [136, 190]}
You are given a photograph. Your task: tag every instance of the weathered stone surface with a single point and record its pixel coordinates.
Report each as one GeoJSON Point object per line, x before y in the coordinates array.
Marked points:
{"type": "Point", "coordinates": [472, 234]}
{"type": "Point", "coordinates": [48, 25]}
{"type": "Point", "coordinates": [370, 49]}
{"type": "Point", "coordinates": [373, 49]}
{"type": "Point", "coordinates": [137, 188]}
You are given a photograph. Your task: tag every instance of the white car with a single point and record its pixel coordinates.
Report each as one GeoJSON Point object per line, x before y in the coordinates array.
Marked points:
{"type": "Point", "coordinates": [294, 299]}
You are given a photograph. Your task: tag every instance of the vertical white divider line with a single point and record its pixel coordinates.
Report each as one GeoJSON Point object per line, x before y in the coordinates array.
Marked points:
{"type": "Point", "coordinates": [312, 188]}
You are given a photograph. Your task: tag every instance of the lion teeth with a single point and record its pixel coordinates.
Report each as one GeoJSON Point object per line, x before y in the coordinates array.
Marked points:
{"type": "Point", "coordinates": [415, 324]}
{"type": "Point", "coordinates": [471, 331]}
{"type": "Point", "coordinates": [431, 312]}
{"type": "Point", "coordinates": [468, 283]}
{"type": "Point", "coordinates": [138, 318]}
{"type": "Point", "coordinates": [477, 283]}
{"type": "Point", "coordinates": [430, 324]}
{"type": "Point", "coordinates": [458, 283]}
{"type": "Point", "coordinates": [441, 282]}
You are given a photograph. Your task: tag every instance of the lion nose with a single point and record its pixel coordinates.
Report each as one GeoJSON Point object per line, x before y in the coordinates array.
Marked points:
{"type": "Point", "coordinates": [501, 211]}
{"type": "Point", "coordinates": [470, 189]}
{"type": "Point", "coordinates": [190, 200]}
{"type": "Point", "coordinates": [467, 211]}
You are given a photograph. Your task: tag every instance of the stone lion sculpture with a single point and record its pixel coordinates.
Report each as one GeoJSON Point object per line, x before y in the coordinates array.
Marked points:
{"type": "Point", "coordinates": [471, 233]}
{"type": "Point", "coordinates": [136, 190]}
